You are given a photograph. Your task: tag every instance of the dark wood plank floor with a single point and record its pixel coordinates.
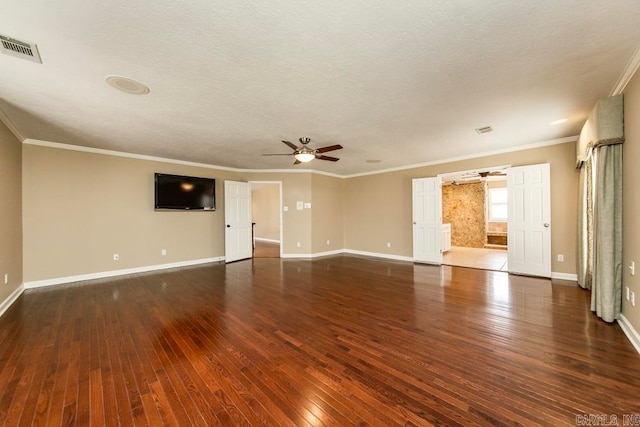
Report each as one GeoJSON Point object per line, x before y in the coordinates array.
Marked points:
{"type": "Point", "coordinates": [341, 340]}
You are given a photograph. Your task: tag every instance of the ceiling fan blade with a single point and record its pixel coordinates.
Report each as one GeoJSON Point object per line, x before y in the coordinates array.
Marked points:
{"type": "Point", "coordinates": [297, 162]}
{"type": "Point", "coordinates": [331, 159]}
{"type": "Point", "coordinates": [329, 148]}
{"type": "Point", "coordinates": [272, 154]}
{"type": "Point", "coordinates": [291, 144]}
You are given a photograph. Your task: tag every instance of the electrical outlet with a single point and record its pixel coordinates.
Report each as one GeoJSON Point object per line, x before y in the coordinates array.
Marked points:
{"type": "Point", "coordinates": [116, 257]}
{"type": "Point", "coordinates": [328, 242]}
{"type": "Point", "coordinates": [388, 244]}
{"type": "Point", "coordinates": [633, 298]}
{"type": "Point", "coordinates": [627, 290]}
{"type": "Point", "coordinates": [6, 278]}
{"type": "Point", "coordinates": [560, 258]}
{"type": "Point", "coordinates": [307, 205]}
{"type": "Point", "coordinates": [164, 252]}
{"type": "Point", "coordinates": [298, 244]}
{"type": "Point", "coordinates": [632, 268]}
{"type": "Point", "coordinates": [285, 208]}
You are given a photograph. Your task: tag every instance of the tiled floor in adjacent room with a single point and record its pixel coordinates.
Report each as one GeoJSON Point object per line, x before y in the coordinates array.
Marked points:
{"type": "Point", "coordinates": [482, 258]}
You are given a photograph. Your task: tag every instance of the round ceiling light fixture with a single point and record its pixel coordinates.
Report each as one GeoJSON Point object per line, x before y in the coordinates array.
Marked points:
{"type": "Point", "coordinates": [127, 85]}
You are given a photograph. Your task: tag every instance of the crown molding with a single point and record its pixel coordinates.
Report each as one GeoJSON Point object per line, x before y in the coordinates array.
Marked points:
{"type": "Point", "coordinates": [102, 151]}
{"type": "Point", "coordinates": [471, 156]}
{"type": "Point", "coordinates": [627, 74]}
{"type": "Point", "coordinates": [71, 147]}
{"type": "Point", "coordinates": [334, 175]}
{"type": "Point", "coordinates": [12, 127]}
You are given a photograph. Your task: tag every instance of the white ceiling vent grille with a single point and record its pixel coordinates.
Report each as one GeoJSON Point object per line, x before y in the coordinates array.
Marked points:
{"type": "Point", "coordinates": [485, 129]}
{"type": "Point", "coordinates": [20, 49]}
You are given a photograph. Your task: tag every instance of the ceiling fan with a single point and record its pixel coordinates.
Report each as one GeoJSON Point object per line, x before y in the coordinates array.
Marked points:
{"type": "Point", "coordinates": [482, 175]}
{"type": "Point", "coordinates": [304, 154]}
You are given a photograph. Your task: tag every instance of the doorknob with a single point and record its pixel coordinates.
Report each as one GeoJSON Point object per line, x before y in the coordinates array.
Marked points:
{"type": "Point", "coordinates": [414, 223]}
{"type": "Point", "coordinates": [228, 226]}
{"type": "Point", "coordinates": [546, 225]}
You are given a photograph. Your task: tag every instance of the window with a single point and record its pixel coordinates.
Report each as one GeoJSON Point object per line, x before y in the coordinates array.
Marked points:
{"type": "Point", "coordinates": [497, 204]}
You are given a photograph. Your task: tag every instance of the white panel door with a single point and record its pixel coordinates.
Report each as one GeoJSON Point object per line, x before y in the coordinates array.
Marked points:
{"type": "Point", "coordinates": [427, 220]}
{"type": "Point", "coordinates": [529, 223]}
{"type": "Point", "coordinates": [237, 216]}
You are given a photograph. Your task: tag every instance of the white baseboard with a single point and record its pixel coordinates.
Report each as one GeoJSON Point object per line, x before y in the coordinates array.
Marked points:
{"type": "Point", "coordinates": [379, 255]}
{"type": "Point", "coordinates": [348, 251]}
{"type": "Point", "coordinates": [630, 332]}
{"type": "Point", "coordinates": [112, 273]}
{"type": "Point", "coordinates": [327, 253]}
{"type": "Point", "coordinates": [4, 305]}
{"type": "Point", "coordinates": [313, 255]}
{"type": "Point", "coordinates": [564, 276]}
{"type": "Point", "coordinates": [262, 239]}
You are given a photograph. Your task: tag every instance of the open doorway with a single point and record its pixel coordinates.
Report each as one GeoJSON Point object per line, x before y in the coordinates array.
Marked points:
{"type": "Point", "coordinates": [474, 216]}
{"type": "Point", "coordinates": [266, 218]}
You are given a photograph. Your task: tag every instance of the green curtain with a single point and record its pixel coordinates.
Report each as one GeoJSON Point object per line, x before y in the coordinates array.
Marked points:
{"type": "Point", "coordinates": [606, 289]}
{"type": "Point", "coordinates": [585, 224]}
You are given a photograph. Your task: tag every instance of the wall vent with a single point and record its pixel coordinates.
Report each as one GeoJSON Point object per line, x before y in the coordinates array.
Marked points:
{"type": "Point", "coordinates": [485, 129]}
{"type": "Point", "coordinates": [20, 49]}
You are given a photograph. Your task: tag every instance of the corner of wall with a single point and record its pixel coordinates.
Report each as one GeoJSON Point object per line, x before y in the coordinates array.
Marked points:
{"type": "Point", "coordinates": [13, 297]}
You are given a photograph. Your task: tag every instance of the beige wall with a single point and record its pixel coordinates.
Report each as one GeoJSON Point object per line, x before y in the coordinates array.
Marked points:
{"type": "Point", "coordinates": [265, 210]}
{"type": "Point", "coordinates": [10, 212]}
{"type": "Point", "coordinates": [378, 211]}
{"type": "Point", "coordinates": [327, 211]}
{"type": "Point", "coordinates": [378, 207]}
{"type": "Point", "coordinates": [81, 208]}
{"type": "Point", "coordinates": [631, 199]}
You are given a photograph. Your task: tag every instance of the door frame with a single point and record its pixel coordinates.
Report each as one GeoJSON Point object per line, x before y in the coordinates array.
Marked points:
{"type": "Point", "coordinates": [281, 219]}
{"type": "Point", "coordinates": [448, 175]}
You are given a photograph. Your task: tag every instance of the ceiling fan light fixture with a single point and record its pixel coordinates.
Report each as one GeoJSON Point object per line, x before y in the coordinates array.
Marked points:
{"type": "Point", "coordinates": [304, 154]}
{"type": "Point", "coordinates": [304, 157]}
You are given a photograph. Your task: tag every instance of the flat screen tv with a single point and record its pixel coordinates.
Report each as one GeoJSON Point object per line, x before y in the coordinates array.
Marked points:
{"type": "Point", "coordinates": [176, 192]}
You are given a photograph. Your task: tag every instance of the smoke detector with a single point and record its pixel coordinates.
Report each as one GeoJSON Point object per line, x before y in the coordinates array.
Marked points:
{"type": "Point", "coordinates": [127, 85]}
{"type": "Point", "coordinates": [20, 49]}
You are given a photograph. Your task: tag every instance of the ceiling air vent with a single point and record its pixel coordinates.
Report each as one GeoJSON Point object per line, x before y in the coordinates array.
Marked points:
{"type": "Point", "coordinates": [485, 129]}
{"type": "Point", "coordinates": [20, 49]}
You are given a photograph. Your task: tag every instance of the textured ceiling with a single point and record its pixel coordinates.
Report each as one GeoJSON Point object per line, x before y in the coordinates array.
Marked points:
{"type": "Point", "coordinates": [402, 82]}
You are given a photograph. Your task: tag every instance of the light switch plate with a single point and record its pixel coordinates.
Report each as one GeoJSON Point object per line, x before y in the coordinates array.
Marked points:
{"type": "Point", "coordinates": [299, 205]}
{"type": "Point", "coordinates": [307, 205]}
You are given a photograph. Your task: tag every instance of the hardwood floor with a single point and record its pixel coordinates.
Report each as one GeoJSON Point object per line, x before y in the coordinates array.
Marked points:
{"type": "Point", "coordinates": [340, 340]}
